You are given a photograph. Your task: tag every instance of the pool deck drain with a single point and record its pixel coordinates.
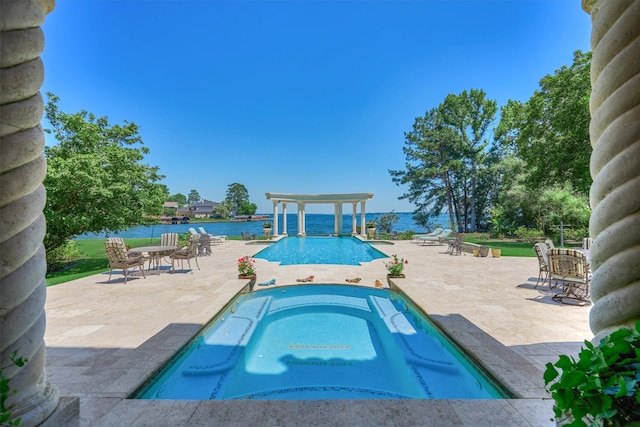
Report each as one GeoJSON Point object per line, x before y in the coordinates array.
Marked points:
{"type": "Point", "coordinates": [104, 339]}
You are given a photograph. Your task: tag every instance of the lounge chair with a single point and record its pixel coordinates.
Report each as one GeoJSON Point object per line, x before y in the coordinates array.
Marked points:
{"type": "Point", "coordinates": [571, 269]}
{"type": "Point", "coordinates": [214, 237]}
{"type": "Point", "coordinates": [191, 251]}
{"type": "Point", "coordinates": [118, 258]}
{"type": "Point", "coordinates": [439, 239]}
{"type": "Point", "coordinates": [415, 237]}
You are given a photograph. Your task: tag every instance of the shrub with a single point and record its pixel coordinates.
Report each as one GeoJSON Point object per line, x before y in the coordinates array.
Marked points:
{"type": "Point", "coordinates": [601, 387]}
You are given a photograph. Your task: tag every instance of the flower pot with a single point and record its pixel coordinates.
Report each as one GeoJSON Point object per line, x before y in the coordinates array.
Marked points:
{"type": "Point", "coordinates": [371, 232]}
{"type": "Point", "coordinates": [267, 232]}
{"type": "Point", "coordinates": [476, 252]}
{"type": "Point", "coordinates": [247, 277]}
{"type": "Point", "coordinates": [396, 276]}
{"type": "Point", "coordinates": [496, 253]}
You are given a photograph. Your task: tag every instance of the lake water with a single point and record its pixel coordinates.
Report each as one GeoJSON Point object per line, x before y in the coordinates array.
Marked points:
{"type": "Point", "coordinates": [316, 224]}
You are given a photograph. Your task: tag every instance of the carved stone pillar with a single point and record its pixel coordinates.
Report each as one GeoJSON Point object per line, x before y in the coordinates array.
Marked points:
{"type": "Point", "coordinates": [22, 198]}
{"type": "Point", "coordinates": [615, 164]}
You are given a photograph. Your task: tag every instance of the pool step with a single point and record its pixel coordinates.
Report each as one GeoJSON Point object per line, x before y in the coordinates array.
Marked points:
{"type": "Point", "coordinates": [421, 350]}
{"type": "Point", "coordinates": [222, 345]}
{"type": "Point", "coordinates": [319, 301]}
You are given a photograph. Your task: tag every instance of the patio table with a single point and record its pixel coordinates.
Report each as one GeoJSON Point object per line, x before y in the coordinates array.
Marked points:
{"type": "Point", "coordinates": [155, 253]}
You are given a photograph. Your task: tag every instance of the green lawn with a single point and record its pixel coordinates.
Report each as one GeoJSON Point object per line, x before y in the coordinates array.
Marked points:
{"type": "Point", "coordinates": [509, 248]}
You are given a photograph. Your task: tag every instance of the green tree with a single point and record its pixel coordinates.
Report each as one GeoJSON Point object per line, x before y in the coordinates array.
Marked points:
{"type": "Point", "coordinates": [387, 221]}
{"type": "Point", "coordinates": [449, 161]}
{"type": "Point", "coordinates": [236, 194]}
{"type": "Point", "coordinates": [222, 209]}
{"type": "Point", "coordinates": [180, 198]}
{"type": "Point", "coordinates": [194, 197]}
{"type": "Point", "coordinates": [247, 208]}
{"type": "Point", "coordinates": [96, 180]}
{"type": "Point", "coordinates": [550, 131]}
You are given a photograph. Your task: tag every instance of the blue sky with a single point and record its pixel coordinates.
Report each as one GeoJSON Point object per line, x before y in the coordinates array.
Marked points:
{"type": "Point", "coordinates": [295, 96]}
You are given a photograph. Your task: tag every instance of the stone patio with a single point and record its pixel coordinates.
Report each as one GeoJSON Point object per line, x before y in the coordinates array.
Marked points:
{"type": "Point", "coordinates": [105, 339]}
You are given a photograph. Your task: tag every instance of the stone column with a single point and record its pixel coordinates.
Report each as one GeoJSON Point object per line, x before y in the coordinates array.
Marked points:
{"type": "Point", "coordinates": [22, 198]}
{"type": "Point", "coordinates": [615, 164]}
{"type": "Point", "coordinates": [362, 219]}
{"type": "Point", "coordinates": [284, 218]}
{"type": "Point", "coordinates": [275, 218]}
{"type": "Point", "coordinates": [335, 218]}
{"type": "Point", "coordinates": [354, 206]}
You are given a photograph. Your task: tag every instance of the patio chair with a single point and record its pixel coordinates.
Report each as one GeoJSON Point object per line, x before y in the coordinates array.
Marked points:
{"type": "Point", "coordinates": [191, 251]}
{"type": "Point", "coordinates": [215, 238]}
{"type": "Point", "coordinates": [415, 237]}
{"type": "Point", "coordinates": [169, 239]}
{"type": "Point", "coordinates": [120, 241]}
{"type": "Point", "coordinates": [455, 245]}
{"type": "Point", "coordinates": [570, 267]}
{"type": "Point", "coordinates": [549, 244]}
{"type": "Point", "coordinates": [543, 263]}
{"type": "Point", "coordinates": [204, 245]}
{"type": "Point", "coordinates": [439, 238]}
{"type": "Point", "coordinates": [118, 259]}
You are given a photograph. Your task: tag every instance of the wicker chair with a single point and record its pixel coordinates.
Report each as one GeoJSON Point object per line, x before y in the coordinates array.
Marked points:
{"type": "Point", "coordinates": [543, 263]}
{"type": "Point", "coordinates": [191, 251]}
{"type": "Point", "coordinates": [455, 245]}
{"type": "Point", "coordinates": [204, 245]}
{"type": "Point", "coordinates": [570, 267]}
{"type": "Point", "coordinates": [118, 258]}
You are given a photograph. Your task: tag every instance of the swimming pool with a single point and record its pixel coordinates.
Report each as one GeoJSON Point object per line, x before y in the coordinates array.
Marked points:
{"type": "Point", "coordinates": [320, 342]}
{"type": "Point", "coordinates": [320, 250]}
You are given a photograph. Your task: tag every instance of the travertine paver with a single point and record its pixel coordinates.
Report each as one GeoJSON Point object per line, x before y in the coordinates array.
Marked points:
{"type": "Point", "coordinates": [104, 339]}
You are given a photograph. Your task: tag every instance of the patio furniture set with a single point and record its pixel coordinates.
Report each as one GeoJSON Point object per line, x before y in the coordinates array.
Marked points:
{"type": "Point", "coordinates": [565, 268]}
{"type": "Point", "coordinates": [121, 257]}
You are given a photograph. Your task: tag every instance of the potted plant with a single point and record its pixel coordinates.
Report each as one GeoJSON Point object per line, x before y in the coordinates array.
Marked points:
{"type": "Point", "coordinates": [246, 268]}
{"type": "Point", "coordinates": [266, 226]}
{"type": "Point", "coordinates": [396, 266]}
{"type": "Point", "coordinates": [601, 388]}
{"type": "Point", "coordinates": [371, 228]}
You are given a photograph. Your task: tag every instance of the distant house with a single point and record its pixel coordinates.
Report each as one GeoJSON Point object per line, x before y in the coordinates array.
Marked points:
{"type": "Point", "coordinates": [203, 209]}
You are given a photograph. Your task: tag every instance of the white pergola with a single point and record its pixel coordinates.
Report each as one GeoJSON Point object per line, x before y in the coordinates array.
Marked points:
{"type": "Point", "coordinates": [303, 199]}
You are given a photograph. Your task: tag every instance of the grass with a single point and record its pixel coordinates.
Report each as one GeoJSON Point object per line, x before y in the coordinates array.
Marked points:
{"type": "Point", "coordinates": [508, 247]}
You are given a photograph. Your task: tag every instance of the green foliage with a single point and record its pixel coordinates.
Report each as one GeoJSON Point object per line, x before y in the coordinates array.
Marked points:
{"type": "Point", "coordinates": [396, 265]}
{"type": "Point", "coordinates": [236, 194]}
{"type": "Point", "coordinates": [180, 198]}
{"type": "Point", "coordinates": [449, 160]}
{"type": "Point", "coordinates": [247, 208]}
{"type": "Point", "coordinates": [6, 417]}
{"type": "Point", "coordinates": [528, 234]}
{"type": "Point", "coordinates": [386, 222]}
{"type": "Point", "coordinates": [601, 387]}
{"type": "Point", "coordinates": [550, 132]}
{"type": "Point", "coordinates": [96, 180]}
{"type": "Point", "coordinates": [223, 209]}
{"type": "Point", "coordinates": [193, 197]}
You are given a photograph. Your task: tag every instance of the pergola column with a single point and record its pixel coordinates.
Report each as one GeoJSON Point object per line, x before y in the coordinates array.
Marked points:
{"type": "Point", "coordinates": [335, 218]}
{"type": "Point", "coordinates": [22, 197]}
{"type": "Point", "coordinates": [362, 219]}
{"type": "Point", "coordinates": [615, 164]}
{"type": "Point", "coordinates": [275, 218]}
{"type": "Point", "coordinates": [354, 207]}
{"type": "Point", "coordinates": [284, 218]}
{"type": "Point", "coordinates": [301, 214]}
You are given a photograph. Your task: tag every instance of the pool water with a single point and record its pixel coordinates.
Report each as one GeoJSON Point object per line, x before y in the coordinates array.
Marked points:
{"type": "Point", "coordinates": [320, 342]}
{"type": "Point", "coordinates": [320, 250]}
